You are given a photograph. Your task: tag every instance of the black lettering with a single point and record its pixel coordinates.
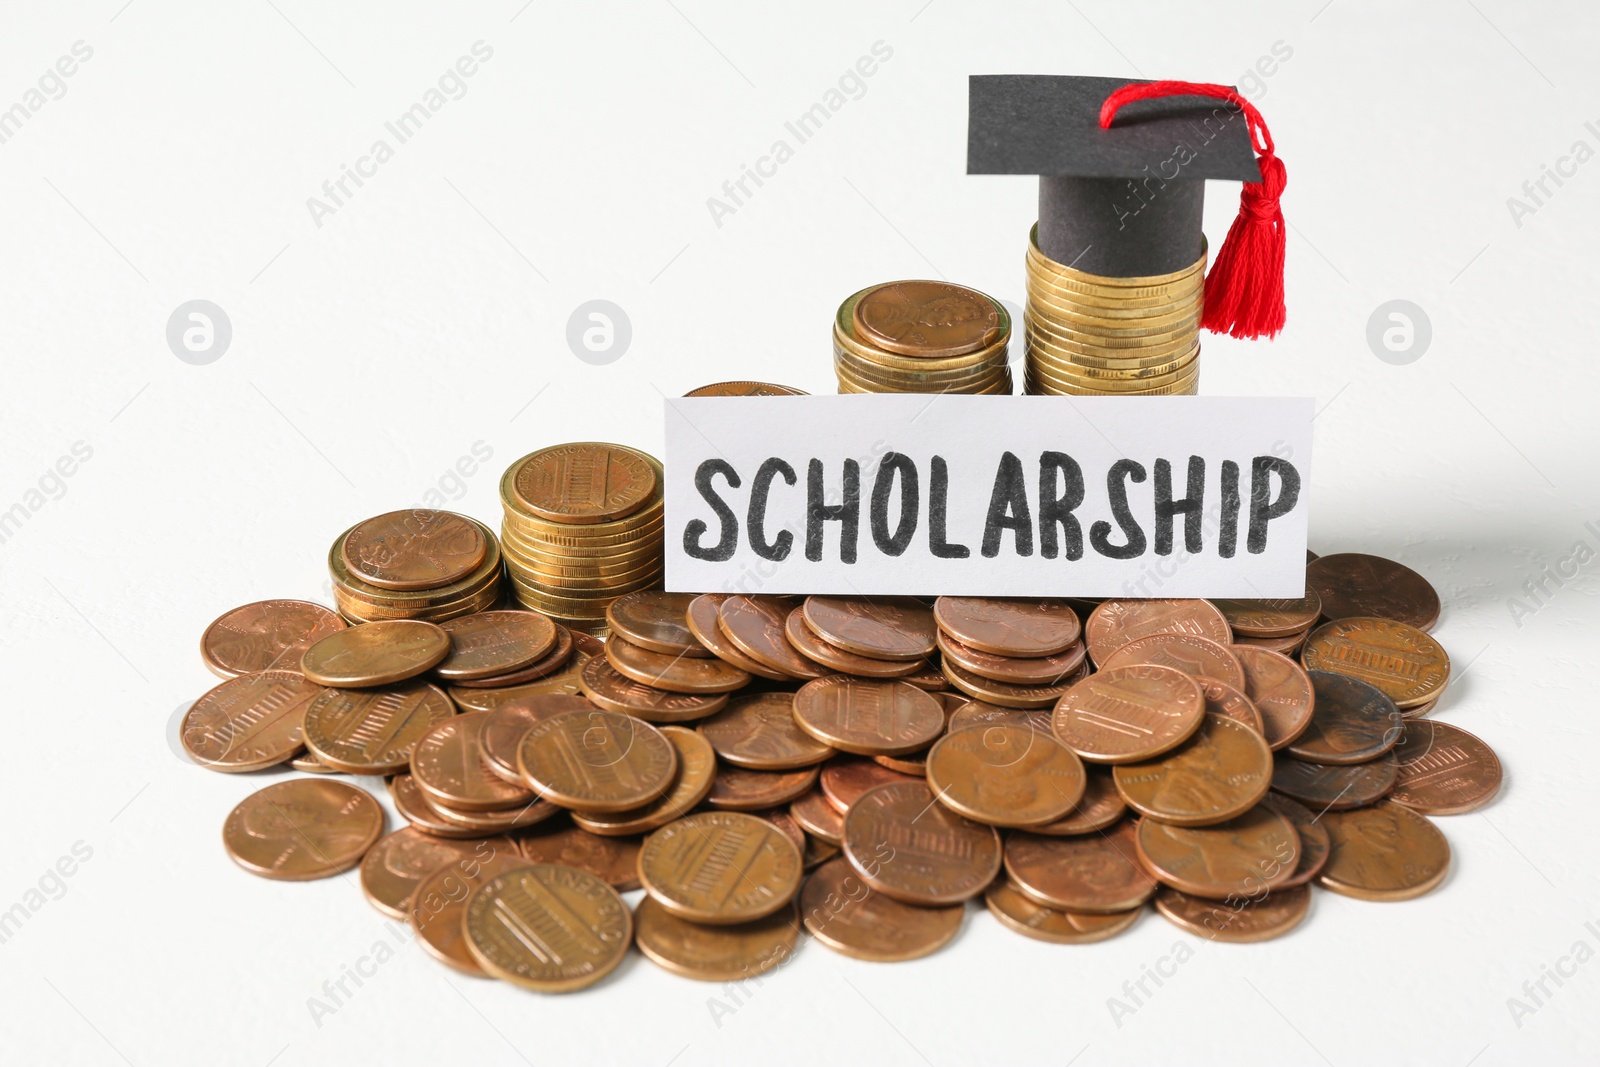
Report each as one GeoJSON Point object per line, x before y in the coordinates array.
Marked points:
{"type": "Point", "coordinates": [1121, 472]}
{"type": "Point", "coordinates": [729, 537]}
{"type": "Point", "coordinates": [1008, 509]}
{"type": "Point", "coordinates": [1263, 509]}
{"type": "Point", "coordinates": [1055, 507]}
{"type": "Point", "coordinates": [755, 522]}
{"type": "Point", "coordinates": [938, 503]}
{"type": "Point", "coordinates": [847, 513]}
{"type": "Point", "coordinates": [1228, 536]}
{"type": "Point", "coordinates": [894, 466]}
{"type": "Point", "coordinates": [1188, 507]}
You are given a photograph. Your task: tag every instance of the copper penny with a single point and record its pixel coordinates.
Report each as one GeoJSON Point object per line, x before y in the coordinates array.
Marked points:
{"type": "Point", "coordinates": [806, 641]}
{"type": "Point", "coordinates": [1129, 714]}
{"type": "Point", "coordinates": [911, 763]}
{"type": "Point", "coordinates": [845, 779]}
{"type": "Point", "coordinates": [935, 320]}
{"type": "Point", "coordinates": [264, 636]}
{"type": "Point", "coordinates": [414, 549]}
{"type": "Point", "coordinates": [1314, 842]}
{"type": "Point", "coordinates": [907, 845]}
{"type": "Point", "coordinates": [655, 621]}
{"type": "Point", "coordinates": [818, 817]}
{"type": "Point", "coordinates": [1039, 670]}
{"type": "Point", "coordinates": [1243, 921]}
{"type": "Point", "coordinates": [1022, 629]}
{"type": "Point", "coordinates": [1444, 770]}
{"type": "Point", "coordinates": [842, 912]}
{"type": "Point", "coordinates": [714, 953]}
{"type": "Point", "coordinates": [754, 625]}
{"type": "Point", "coordinates": [884, 628]}
{"type": "Point", "coordinates": [583, 483]}
{"type": "Point", "coordinates": [1243, 857]}
{"type": "Point", "coordinates": [612, 859]}
{"type": "Point", "coordinates": [588, 644]}
{"type": "Point", "coordinates": [978, 713]}
{"type": "Point", "coordinates": [302, 829]}
{"type": "Point", "coordinates": [1420, 710]}
{"type": "Point", "coordinates": [674, 673]}
{"type": "Point", "coordinates": [1030, 919]}
{"type": "Point", "coordinates": [1116, 622]}
{"type": "Point", "coordinates": [1352, 584]}
{"type": "Point", "coordinates": [1353, 722]}
{"type": "Point", "coordinates": [373, 731]}
{"type": "Point", "coordinates": [1410, 667]}
{"type": "Point", "coordinates": [758, 731]}
{"type": "Point", "coordinates": [310, 764]}
{"type": "Point", "coordinates": [1282, 692]}
{"type": "Point", "coordinates": [1198, 657]}
{"type": "Point", "coordinates": [745, 389]}
{"type": "Point", "coordinates": [1219, 773]}
{"type": "Point", "coordinates": [499, 821]}
{"type": "Point", "coordinates": [449, 767]}
{"type": "Point", "coordinates": [566, 681]}
{"type": "Point", "coordinates": [697, 765]}
{"type": "Point", "coordinates": [495, 642]}
{"type": "Point", "coordinates": [720, 868]}
{"type": "Point", "coordinates": [375, 653]}
{"type": "Point", "coordinates": [1289, 646]}
{"type": "Point", "coordinates": [249, 722]}
{"type": "Point", "coordinates": [394, 867]}
{"type": "Point", "coordinates": [415, 808]}
{"type": "Point", "coordinates": [1328, 788]}
{"type": "Point", "coordinates": [597, 761]}
{"type": "Point", "coordinates": [929, 679]}
{"type": "Point", "coordinates": [702, 616]}
{"type": "Point", "coordinates": [1384, 852]}
{"type": "Point", "coordinates": [1227, 701]}
{"type": "Point", "coordinates": [1006, 775]}
{"type": "Point", "coordinates": [503, 730]}
{"type": "Point", "coordinates": [551, 663]}
{"type": "Point", "coordinates": [738, 789]}
{"type": "Point", "coordinates": [440, 902]}
{"type": "Point", "coordinates": [1096, 873]}
{"type": "Point", "coordinates": [868, 717]}
{"type": "Point", "coordinates": [1101, 806]}
{"type": "Point", "coordinates": [547, 928]}
{"type": "Point", "coordinates": [614, 692]}
{"type": "Point", "coordinates": [1263, 619]}
{"type": "Point", "coordinates": [785, 822]}
{"type": "Point", "coordinates": [1007, 694]}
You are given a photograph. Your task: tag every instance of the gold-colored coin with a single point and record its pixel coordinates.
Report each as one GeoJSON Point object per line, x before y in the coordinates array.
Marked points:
{"type": "Point", "coordinates": [547, 928]}
{"type": "Point", "coordinates": [744, 389]}
{"type": "Point", "coordinates": [302, 829]}
{"type": "Point", "coordinates": [714, 953]}
{"type": "Point", "coordinates": [597, 761]}
{"type": "Point", "coordinates": [582, 483]}
{"type": "Point", "coordinates": [720, 868]}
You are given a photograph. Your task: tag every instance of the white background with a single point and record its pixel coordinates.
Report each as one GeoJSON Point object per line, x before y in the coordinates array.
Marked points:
{"type": "Point", "coordinates": [429, 314]}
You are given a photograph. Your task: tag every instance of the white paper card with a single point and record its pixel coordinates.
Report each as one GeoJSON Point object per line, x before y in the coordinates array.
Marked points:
{"type": "Point", "coordinates": [988, 495]}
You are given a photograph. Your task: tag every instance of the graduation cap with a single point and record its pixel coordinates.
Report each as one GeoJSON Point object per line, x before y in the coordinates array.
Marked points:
{"type": "Point", "coordinates": [1122, 170]}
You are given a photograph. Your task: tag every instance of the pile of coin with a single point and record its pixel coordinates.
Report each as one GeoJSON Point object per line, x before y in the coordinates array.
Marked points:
{"type": "Point", "coordinates": [1090, 335]}
{"type": "Point", "coordinates": [921, 337]}
{"type": "Point", "coordinates": [767, 767]}
{"type": "Point", "coordinates": [415, 564]}
{"type": "Point", "coordinates": [583, 526]}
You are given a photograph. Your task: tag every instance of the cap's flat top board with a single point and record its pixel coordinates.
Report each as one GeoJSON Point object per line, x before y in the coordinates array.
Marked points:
{"type": "Point", "coordinates": [1050, 125]}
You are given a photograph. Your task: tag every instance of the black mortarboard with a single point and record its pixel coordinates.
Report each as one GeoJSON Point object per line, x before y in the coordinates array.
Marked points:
{"type": "Point", "coordinates": [1126, 201]}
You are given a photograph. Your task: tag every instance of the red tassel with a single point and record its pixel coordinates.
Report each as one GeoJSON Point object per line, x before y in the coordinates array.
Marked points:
{"type": "Point", "coordinates": [1244, 291]}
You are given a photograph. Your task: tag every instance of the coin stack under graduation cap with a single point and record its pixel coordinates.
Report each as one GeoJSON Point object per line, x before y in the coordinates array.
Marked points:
{"type": "Point", "coordinates": [582, 527]}
{"type": "Point", "coordinates": [921, 337]}
{"type": "Point", "coordinates": [415, 564]}
{"type": "Point", "coordinates": [1090, 335]}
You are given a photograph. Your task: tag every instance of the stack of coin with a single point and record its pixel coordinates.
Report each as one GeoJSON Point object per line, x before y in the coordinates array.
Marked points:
{"type": "Point", "coordinates": [415, 564]}
{"type": "Point", "coordinates": [921, 337]}
{"type": "Point", "coordinates": [745, 389]}
{"type": "Point", "coordinates": [1090, 335]}
{"type": "Point", "coordinates": [1076, 772]}
{"type": "Point", "coordinates": [583, 526]}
